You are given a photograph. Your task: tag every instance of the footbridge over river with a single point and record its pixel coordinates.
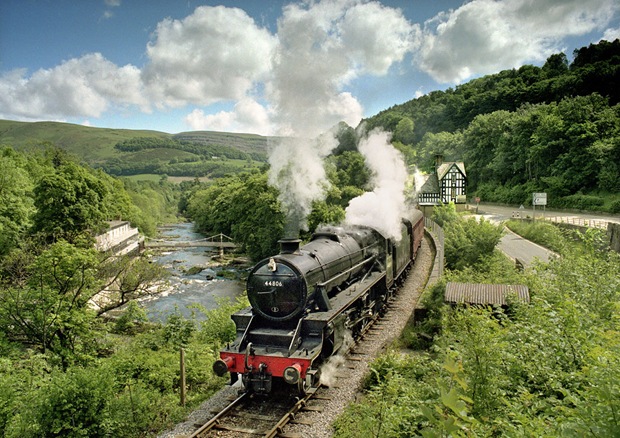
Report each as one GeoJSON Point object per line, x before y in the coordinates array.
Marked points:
{"type": "Point", "coordinates": [219, 241]}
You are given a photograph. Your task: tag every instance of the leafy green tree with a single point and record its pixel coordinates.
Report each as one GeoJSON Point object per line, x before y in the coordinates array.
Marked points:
{"type": "Point", "coordinates": [556, 65]}
{"type": "Point", "coordinates": [16, 203]}
{"type": "Point", "coordinates": [50, 311]}
{"type": "Point", "coordinates": [69, 202]}
{"type": "Point", "coordinates": [324, 214]}
{"type": "Point", "coordinates": [127, 278]}
{"type": "Point", "coordinates": [449, 145]}
{"type": "Point", "coordinates": [403, 132]}
{"type": "Point", "coordinates": [245, 208]}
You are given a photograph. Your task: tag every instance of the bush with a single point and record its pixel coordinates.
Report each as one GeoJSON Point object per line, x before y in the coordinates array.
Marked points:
{"type": "Point", "coordinates": [72, 404]}
{"type": "Point", "coordinates": [614, 208]}
{"type": "Point", "coordinates": [542, 233]}
{"type": "Point", "coordinates": [579, 202]}
{"type": "Point", "coordinates": [467, 242]}
{"type": "Point", "coordinates": [131, 320]}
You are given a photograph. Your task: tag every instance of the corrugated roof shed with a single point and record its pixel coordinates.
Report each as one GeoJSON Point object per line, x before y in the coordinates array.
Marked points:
{"type": "Point", "coordinates": [477, 293]}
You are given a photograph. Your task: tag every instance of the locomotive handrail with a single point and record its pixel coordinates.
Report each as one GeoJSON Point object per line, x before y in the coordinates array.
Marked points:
{"type": "Point", "coordinates": [295, 336]}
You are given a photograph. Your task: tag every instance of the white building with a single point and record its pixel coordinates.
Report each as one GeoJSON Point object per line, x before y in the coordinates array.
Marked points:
{"type": "Point", "coordinates": [120, 239]}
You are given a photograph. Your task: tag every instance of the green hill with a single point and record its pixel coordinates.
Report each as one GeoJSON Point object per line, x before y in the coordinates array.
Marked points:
{"type": "Point", "coordinates": [199, 153]}
{"type": "Point", "coordinates": [93, 145]}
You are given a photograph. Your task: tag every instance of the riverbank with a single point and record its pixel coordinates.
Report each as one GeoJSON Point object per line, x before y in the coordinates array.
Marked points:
{"type": "Point", "coordinates": [196, 277]}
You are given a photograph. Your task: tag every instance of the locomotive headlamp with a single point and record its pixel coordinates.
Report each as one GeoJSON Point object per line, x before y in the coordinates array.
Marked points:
{"type": "Point", "coordinates": [292, 374]}
{"type": "Point", "coordinates": [221, 366]}
{"type": "Point", "coordinates": [272, 265]}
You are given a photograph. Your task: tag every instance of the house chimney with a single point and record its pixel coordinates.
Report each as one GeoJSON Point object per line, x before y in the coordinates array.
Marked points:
{"type": "Point", "coordinates": [438, 160]}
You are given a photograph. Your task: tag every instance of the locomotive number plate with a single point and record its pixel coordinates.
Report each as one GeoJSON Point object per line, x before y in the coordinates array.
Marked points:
{"type": "Point", "coordinates": [274, 283]}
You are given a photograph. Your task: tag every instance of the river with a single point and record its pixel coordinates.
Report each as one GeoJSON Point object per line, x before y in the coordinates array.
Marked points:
{"type": "Point", "coordinates": [204, 288]}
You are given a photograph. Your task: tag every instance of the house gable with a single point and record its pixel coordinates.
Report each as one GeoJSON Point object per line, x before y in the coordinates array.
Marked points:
{"type": "Point", "coordinates": [452, 182]}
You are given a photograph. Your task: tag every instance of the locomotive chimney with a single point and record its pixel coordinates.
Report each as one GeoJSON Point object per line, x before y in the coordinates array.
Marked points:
{"type": "Point", "coordinates": [289, 246]}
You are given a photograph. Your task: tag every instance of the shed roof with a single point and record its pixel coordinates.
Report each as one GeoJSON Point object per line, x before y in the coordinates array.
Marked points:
{"type": "Point", "coordinates": [477, 293]}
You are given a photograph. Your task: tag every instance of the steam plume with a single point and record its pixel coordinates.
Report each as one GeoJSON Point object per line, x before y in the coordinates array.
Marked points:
{"type": "Point", "coordinates": [297, 171]}
{"type": "Point", "coordinates": [384, 207]}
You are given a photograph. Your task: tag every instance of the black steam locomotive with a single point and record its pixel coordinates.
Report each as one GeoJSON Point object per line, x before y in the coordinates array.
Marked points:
{"type": "Point", "coordinates": [306, 299]}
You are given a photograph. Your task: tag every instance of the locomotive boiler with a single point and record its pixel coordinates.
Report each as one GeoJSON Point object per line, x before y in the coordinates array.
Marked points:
{"type": "Point", "coordinates": [306, 299]}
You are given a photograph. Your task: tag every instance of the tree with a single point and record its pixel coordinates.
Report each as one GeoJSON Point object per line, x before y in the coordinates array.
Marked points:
{"type": "Point", "coordinates": [244, 207]}
{"type": "Point", "coordinates": [16, 204]}
{"type": "Point", "coordinates": [404, 131]}
{"type": "Point", "coordinates": [556, 65]}
{"type": "Point", "coordinates": [128, 278]}
{"type": "Point", "coordinates": [69, 202]}
{"type": "Point", "coordinates": [50, 310]}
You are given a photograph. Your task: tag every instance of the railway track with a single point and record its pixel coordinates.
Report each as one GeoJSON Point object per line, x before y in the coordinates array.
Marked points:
{"type": "Point", "coordinates": [250, 414]}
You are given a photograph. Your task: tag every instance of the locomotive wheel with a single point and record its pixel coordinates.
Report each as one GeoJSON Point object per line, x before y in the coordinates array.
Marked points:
{"type": "Point", "coordinates": [301, 387]}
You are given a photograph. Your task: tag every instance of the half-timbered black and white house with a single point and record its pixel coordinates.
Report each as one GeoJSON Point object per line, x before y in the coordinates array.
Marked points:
{"type": "Point", "coordinates": [447, 184]}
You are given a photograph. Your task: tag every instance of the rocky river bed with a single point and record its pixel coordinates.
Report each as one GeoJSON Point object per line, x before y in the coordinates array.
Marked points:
{"type": "Point", "coordinates": [197, 276]}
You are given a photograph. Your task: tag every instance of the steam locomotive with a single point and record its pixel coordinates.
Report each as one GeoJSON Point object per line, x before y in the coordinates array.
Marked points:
{"type": "Point", "coordinates": [305, 300]}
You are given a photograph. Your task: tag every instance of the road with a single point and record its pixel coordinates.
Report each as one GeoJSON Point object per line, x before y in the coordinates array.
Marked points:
{"type": "Point", "coordinates": [526, 252]}
{"type": "Point", "coordinates": [523, 250]}
{"type": "Point", "coordinates": [500, 213]}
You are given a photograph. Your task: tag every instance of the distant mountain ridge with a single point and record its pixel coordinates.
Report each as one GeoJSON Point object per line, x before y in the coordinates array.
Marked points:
{"type": "Point", "coordinates": [96, 147]}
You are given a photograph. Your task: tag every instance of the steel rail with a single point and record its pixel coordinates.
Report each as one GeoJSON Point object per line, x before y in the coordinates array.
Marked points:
{"type": "Point", "coordinates": [290, 415]}
{"type": "Point", "coordinates": [213, 421]}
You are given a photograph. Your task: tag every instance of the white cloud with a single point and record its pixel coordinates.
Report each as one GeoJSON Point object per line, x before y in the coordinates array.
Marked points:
{"type": "Point", "coordinates": [377, 37]}
{"type": "Point", "coordinates": [215, 54]}
{"type": "Point", "coordinates": [323, 47]}
{"type": "Point", "coordinates": [611, 34]}
{"type": "Point", "coordinates": [85, 86]}
{"type": "Point", "coordinates": [484, 36]}
{"type": "Point", "coordinates": [248, 116]}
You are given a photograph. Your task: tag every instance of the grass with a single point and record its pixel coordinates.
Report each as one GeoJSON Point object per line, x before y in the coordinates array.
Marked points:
{"type": "Point", "coordinates": [540, 232]}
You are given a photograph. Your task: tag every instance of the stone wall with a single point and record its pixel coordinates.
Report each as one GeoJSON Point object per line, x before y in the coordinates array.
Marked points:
{"type": "Point", "coordinates": [613, 233]}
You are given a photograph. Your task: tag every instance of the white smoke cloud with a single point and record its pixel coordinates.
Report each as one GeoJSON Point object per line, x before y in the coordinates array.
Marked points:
{"type": "Point", "coordinates": [329, 370]}
{"type": "Point", "coordinates": [384, 207]}
{"type": "Point", "coordinates": [485, 36]}
{"type": "Point", "coordinates": [323, 46]}
{"type": "Point", "coordinates": [297, 171]}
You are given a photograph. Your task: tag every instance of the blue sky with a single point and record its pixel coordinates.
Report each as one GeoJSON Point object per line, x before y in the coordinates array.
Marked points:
{"type": "Point", "coordinates": [267, 67]}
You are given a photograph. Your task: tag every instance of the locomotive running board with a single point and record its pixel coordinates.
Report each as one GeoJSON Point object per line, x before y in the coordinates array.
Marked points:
{"type": "Point", "coordinates": [321, 299]}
